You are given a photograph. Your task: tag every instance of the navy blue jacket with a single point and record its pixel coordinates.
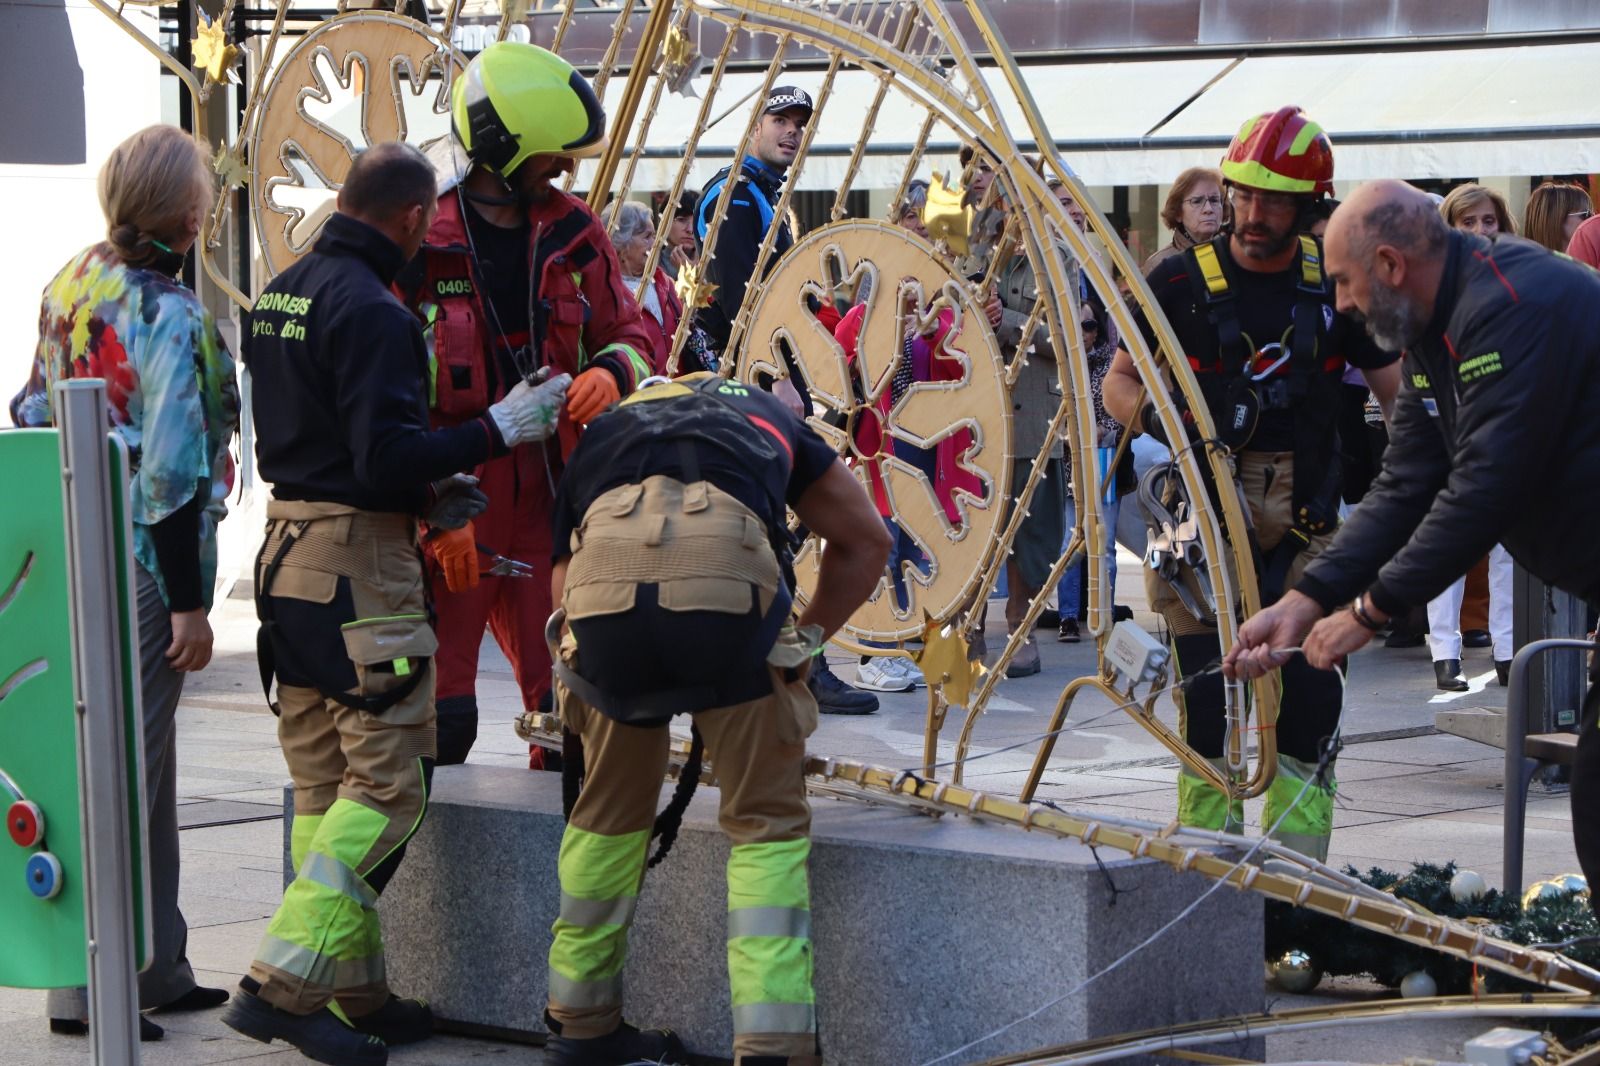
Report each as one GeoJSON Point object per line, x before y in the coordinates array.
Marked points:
{"type": "Point", "coordinates": [338, 370]}
{"type": "Point", "coordinates": [750, 211]}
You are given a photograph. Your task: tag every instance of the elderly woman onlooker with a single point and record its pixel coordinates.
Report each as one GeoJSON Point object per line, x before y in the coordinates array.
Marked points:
{"type": "Point", "coordinates": [1555, 211]}
{"type": "Point", "coordinates": [1193, 212]}
{"type": "Point", "coordinates": [1477, 209]}
{"type": "Point", "coordinates": [116, 311]}
{"type": "Point", "coordinates": [633, 231]}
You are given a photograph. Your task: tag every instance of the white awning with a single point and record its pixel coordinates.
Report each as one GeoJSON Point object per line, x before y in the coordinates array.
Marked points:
{"type": "Point", "coordinates": [1442, 113]}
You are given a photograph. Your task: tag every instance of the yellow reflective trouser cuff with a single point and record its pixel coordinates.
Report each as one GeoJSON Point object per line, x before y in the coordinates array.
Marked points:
{"type": "Point", "coordinates": [1306, 810]}
{"type": "Point", "coordinates": [301, 833]}
{"type": "Point", "coordinates": [1202, 805]}
{"type": "Point", "coordinates": [600, 878]}
{"type": "Point", "coordinates": [326, 931]}
{"type": "Point", "coordinates": [769, 938]}
{"type": "Point", "coordinates": [319, 969]}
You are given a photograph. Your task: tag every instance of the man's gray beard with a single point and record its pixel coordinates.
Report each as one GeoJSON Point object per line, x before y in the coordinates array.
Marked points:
{"type": "Point", "coordinates": [1394, 321]}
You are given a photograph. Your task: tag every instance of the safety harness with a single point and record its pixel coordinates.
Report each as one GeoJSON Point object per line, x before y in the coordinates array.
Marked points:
{"type": "Point", "coordinates": [1237, 389]}
{"type": "Point", "coordinates": [268, 635]}
{"type": "Point", "coordinates": [700, 414]}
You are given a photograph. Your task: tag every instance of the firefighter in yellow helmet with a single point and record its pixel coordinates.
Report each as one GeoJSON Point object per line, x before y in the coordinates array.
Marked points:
{"type": "Point", "coordinates": [673, 572]}
{"type": "Point", "coordinates": [1255, 315]}
{"type": "Point", "coordinates": [515, 277]}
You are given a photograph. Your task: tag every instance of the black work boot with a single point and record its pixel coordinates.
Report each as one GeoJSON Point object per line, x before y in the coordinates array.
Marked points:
{"type": "Point", "coordinates": [320, 1036]}
{"type": "Point", "coordinates": [1448, 674]}
{"type": "Point", "coordinates": [623, 1046]}
{"type": "Point", "coordinates": [399, 1021]}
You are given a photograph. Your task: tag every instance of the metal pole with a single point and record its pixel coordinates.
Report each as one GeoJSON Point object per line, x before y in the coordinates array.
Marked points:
{"type": "Point", "coordinates": [102, 744]}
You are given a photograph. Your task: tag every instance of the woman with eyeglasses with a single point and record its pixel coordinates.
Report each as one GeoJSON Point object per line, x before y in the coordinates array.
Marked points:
{"type": "Point", "coordinates": [1555, 211]}
{"type": "Point", "coordinates": [1193, 212]}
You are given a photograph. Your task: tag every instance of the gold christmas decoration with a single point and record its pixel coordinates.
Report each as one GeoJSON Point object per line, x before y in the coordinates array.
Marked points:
{"type": "Point", "coordinates": [944, 661]}
{"type": "Point", "coordinates": [212, 52]}
{"type": "Point", "coordinates": [1294, 972]}
{"type": "Point", "coordinates": [1541, 890]}
{"type": "Point", "coordinates": [681, 62]}
{"type": "Point", "coordinates": [230, 168]}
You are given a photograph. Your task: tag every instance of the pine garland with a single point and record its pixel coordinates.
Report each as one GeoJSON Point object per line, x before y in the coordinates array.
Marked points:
{"type": "Point", "coordinates": [1339, 949]}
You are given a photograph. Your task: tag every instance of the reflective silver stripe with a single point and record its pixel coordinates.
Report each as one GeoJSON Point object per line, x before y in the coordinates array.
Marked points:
{"type": "Point", "coordinates": [589, 913]}
{"type": "Point", "coordinates": [323, 971]}
{"type": "Point", "coordinates": [775, 1018]}
{"type": "Point", "coordinates": [606, 992]}
{"type": "Point", "coordinates": [770, 921]}
{"type": "Point", "coordinates": [334, 874]}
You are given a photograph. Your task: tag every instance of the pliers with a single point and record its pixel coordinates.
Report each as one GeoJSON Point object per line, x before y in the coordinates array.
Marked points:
{"type": "Point", "coordinates": [504, 566]}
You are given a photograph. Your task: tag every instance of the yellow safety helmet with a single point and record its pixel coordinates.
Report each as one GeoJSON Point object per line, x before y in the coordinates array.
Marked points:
{"type": "Point", "coordinates": [517, 100]}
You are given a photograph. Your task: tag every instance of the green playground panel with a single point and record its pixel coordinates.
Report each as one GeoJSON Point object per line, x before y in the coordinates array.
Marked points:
{"type": "Point", "coordinates": [45, 939]}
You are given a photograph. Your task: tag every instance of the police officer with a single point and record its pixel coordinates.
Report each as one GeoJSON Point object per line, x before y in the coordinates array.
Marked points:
{"type": "Point", "coordinates": [515, 276]}
{"type": "Point", "coordinates": [671, 541]}
{"type": "Point", "coordinates": [1256, 320]}
{"type": "Point", "coordinates": [758, 186]}
{"type": "Point", "coordinates": [338, 367]}
{"type": "Point", "coordinates": [1501, 377]}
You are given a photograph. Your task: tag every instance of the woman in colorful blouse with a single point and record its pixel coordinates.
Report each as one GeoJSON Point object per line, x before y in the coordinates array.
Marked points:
{"type": "Point", "coordinates": [117, 312]}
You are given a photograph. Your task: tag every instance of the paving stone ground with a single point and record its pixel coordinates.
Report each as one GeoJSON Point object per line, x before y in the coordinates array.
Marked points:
{"type": "Point", "coordinates": [1406, 794]}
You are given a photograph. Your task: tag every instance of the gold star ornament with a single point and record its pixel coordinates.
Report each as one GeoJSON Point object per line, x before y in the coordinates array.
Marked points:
{"type": "Point", "coordinates": [944, 661]}
{"type": "Point", "coordinates": [212, 52]}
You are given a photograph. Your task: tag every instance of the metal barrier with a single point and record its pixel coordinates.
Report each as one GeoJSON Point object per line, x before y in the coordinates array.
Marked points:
{"type": "Point", "coordinates": [1521, 763]}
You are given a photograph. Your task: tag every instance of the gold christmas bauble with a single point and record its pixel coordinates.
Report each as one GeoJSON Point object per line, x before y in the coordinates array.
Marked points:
{"type": "Point", "coordinates": [1295, 972]}
{"type": "Point", "coordinates": [1541, 890]}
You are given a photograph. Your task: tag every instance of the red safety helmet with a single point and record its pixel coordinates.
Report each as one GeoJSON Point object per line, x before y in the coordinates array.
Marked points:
{"type": "Point", "coordinates": [1283, 151]}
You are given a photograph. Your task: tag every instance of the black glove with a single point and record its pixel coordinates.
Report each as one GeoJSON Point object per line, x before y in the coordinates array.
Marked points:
{"type": "Point", "coordinates": [457, 500]}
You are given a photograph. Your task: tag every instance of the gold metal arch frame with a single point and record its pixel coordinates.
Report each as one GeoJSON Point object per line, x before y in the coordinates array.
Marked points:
{"type": "Point", "coordinates": [912, 53]}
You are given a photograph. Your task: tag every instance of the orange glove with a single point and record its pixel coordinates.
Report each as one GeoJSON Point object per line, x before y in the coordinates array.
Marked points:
{"type": "Point", "coordinates": [457, 553]}
{"type": "Point", "coordinates": [592, 392]}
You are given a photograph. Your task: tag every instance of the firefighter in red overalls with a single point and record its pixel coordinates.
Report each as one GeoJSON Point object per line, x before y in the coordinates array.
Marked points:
{"type": "Point", "coordinates": [515, 276]}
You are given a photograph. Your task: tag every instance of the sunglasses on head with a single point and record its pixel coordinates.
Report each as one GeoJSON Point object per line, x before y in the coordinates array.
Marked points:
{"type": "Point", "coordinates": [1088, 324]}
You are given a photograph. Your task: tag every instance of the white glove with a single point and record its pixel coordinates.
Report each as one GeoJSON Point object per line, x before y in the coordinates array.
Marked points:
{"type": "Point", "coordinates": [529, 412]}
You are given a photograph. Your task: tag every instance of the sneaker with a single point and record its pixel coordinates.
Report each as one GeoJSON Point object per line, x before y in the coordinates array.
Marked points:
{"type": "Point", "coordinates": [320, 1036]}
{"type": "Point", "coordinates": [884, 674]}
{"type": "Point", "coordinates": [1069, 631]}
{"type": "Point", "coordinates": [623, 1046]}
{"type": "Point", "coordinates": [399, 1021]}
{"type": "Point", "coordinates": [1026, 662]}
{"type": "Point", "coordinates": [834, 696]}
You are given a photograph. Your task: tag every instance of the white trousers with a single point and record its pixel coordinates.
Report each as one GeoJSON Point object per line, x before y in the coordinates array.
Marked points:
{"type": "Point", "coordinates": [1444, 612]}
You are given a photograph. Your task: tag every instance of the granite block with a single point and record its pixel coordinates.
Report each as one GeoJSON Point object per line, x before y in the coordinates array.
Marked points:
{"type": "Point", "coordinates": [929, 933]}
